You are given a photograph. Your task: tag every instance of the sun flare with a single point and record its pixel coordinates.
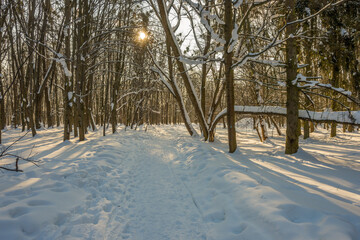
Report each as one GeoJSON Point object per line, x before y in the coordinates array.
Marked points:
{"type": "Point", "coordinates": [142, 35]}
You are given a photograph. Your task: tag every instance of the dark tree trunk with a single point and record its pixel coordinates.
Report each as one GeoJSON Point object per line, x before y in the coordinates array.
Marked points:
{"type": "Point", "coordinates": [229, 76]}
{"type": "Point", "coordinates": [182, 69]}
{"type": "Point", "coordinates": [67, 94]}
{"type": "Point", "coordinates": [292, 91]}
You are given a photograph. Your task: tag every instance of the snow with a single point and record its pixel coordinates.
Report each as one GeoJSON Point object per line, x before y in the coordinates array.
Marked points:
{"type": "Point", "coordinates": [188, 61]}
{"type": "Point", "coordinates": [273, 63]}
{"type": "Point", "coordinates": [338, 116]}
{"type": "Point", "coordinates": [219, 49]}
{"type": "Point", "coordinates": [213, 17]}
{"type": "Point", "coordinates": [162, 79]}
{"type": "Point", "coordinates": [62, 61]}
{"type": "Point", "coordinates": [343, 32]}
{"type": "Point", "coordinates": [164, 184]}
{"type": "Point", "coordinates": [315, 84]}
{"type": "Point", "coordinates": [234, 38]}
{"type": "Point", "coordinates": [299, 77]}
{"type": "Point", "coordinates": [186, 114]}
{"type": "Point", "coordinates": [237, 3]}
{"type": "Point", "coordinates": [70, 95]}
{"type": "Point", "coordinates": [281, 84]}
{"type": "Point", "coordinates": [299, 66]}
{"type": "Point", "coordinates": [168, 26]}
{"type": "Point", "coordinates": [205, 13]}
{"type": "Point", "coordinates": [214, 35]}
{"type": "Point", "coordinates": [66, 30]}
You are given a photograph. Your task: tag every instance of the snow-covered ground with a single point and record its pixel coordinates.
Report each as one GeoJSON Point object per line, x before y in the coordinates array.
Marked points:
{"type": "Point", "coordinates": [164, 184]}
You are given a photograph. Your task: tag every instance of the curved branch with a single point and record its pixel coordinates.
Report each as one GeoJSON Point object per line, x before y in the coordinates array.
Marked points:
{"type": "Point", "coordinates": [352, 118]}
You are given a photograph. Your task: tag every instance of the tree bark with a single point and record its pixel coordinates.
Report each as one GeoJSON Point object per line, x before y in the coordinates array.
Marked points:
{"type": "Point", "coordinates": [292, 91]}
{"type": "Point", "coordinates": [335, 83]}
{"type": "Point", "coordinates": [182, 69]}
{"type": "Point", "coordinates": [67, 94]}
{"type": "Point", "coordinates": [229, 76]}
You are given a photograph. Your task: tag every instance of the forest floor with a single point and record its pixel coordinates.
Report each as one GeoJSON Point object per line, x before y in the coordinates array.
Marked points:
{"type": "Point", "coordinates": [164, 184]}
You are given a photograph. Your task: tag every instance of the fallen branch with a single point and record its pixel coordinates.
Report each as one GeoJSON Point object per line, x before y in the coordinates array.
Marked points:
{"type": "Point", "coordinates": [16, 167]}
{"type": "Point", "coordinates": [346, 117]}
{"type": "Point", "coordinates": [5, 153]}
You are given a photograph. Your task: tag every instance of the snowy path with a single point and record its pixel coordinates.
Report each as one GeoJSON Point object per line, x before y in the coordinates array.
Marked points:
{"type": "Point", "coordinates": [157, 205]}
{"type": "Point", "coordinates": [126, 190]}
{"type": "Point", "coordinates": [163, 184]}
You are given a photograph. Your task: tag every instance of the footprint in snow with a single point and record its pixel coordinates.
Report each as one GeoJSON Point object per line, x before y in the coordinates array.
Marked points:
{"type": "Point", "coordinates": [215, 217]}
{"type": "Point", "coordinates": [18, 211]}
{"type": "Point", "coordinates": [6, 203]}
{"type": "Point", "coordinates": [108, 207]}
{"type": "Point", "coordinates": [38, 202]}
{"type": "Point", "coordinates": [61, 218]}
{"type": "Point", "coordinates": [298, 214]}
{"type": "Point", "coordinates": [239, 229]}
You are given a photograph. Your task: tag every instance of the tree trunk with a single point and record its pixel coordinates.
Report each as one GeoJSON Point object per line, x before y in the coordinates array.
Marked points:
{"type": "Point", "coordinates": [204, 68]}
{"type": "Point", "coordinates": [292, 91]}
{"type": "Point", "coordinates": [82, 27]}
{"type": "Point", "coordinates": [67, 94]}
{"type": "Point", "coordinates": [229, 76]}
{"type": "Point", "coordinates": [48, 108]}
{"type": "Point", "coordinates": [308, 70]}
{"type": "Point", "coordinates": [335, 83]}
{"type": "Point", "coordinates": [2, 106]}
{"type": "Point", "coordinates": [182, 68]}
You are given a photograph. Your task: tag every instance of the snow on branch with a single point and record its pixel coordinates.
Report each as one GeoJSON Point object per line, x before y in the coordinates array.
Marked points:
{"type": "Point", "coordinates": [134, 93]}
{"type": "Point", "coordinates": [162, 79]}
{"type": "Point", "coordinates": [273, 63]}
{"type": "Point", "coordinates": [346, 117]}
{"type": "Point", "coordinates": [189, 61]}
{"type": "Point", "coordinates": [234, 38]}
{"type": "Point", "coordinates": [308, 84]}
{"type": "Point", "coordinates": [61, 60]}
{"type": "Point", "coordinates": [204, 16]}
{"type": "Point", "coordinates": [275, 41]}
{"type": "Point", "coordinates": [237, 3]}
{"type": "Point", "coordinates": [162, 75]}
{"type": "Point", "coordinates": [331, 4]}
{"type": "Point", "coordinates": [205, 13]}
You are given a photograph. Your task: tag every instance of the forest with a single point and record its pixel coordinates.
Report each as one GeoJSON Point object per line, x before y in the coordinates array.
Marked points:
{"type": "Point", "coordinates": [85, 69]}
{"type": "Point", "coordinates": [84, 64]}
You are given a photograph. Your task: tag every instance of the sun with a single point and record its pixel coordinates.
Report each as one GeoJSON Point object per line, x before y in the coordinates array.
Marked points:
{"type": "Point", "coordinates": [142, 35]}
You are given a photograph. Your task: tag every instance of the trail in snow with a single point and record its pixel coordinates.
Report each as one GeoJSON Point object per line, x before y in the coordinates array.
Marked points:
{"type": "Point", "coordinates": [117, 187]}
{"type": "Point", "coordinates": [163, 184]}
{"type": "Point", "coordinates": [156, 203]}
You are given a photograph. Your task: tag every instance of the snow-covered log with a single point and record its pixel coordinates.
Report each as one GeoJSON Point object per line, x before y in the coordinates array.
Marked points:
{"type": "Point", "coordinates": [347, 117]}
